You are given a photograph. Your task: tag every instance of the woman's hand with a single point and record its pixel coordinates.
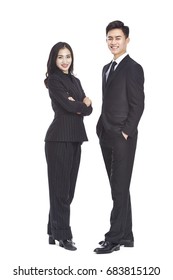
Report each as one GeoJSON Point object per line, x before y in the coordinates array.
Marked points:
{"type": "Point", "coordinates": [71, 98]}
{"type": "Point", "coordinates": [87, 101]}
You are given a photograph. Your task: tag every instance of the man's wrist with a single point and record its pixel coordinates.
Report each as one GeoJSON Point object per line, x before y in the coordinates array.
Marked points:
{"type": "Point", "coordinates": [125, 135]}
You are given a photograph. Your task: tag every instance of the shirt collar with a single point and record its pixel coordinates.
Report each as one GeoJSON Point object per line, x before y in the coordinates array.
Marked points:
{"type": "Point", "coordinates": [118, 60]}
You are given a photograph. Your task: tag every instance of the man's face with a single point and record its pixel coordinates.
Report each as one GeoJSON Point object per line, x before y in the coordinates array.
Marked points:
{"type": "Point", "coordinates": [117, 43]}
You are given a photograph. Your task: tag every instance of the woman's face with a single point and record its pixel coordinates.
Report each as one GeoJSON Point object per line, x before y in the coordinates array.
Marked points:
{"type": "Point", "coordinates": [64, 60]}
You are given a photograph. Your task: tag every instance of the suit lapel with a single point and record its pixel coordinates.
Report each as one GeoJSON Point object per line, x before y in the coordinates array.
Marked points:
{"type": "Point", "coordinates": [105, 69]}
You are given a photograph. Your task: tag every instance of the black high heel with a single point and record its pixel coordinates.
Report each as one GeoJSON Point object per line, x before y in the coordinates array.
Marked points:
{"type": "Point", "coordinates": [67, 244]}
{"type": "Point", "coordinates": [51, 240]}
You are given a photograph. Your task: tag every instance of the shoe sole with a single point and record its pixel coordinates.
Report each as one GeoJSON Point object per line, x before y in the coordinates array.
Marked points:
{"type": "Point", "coordinates": [130, 245]}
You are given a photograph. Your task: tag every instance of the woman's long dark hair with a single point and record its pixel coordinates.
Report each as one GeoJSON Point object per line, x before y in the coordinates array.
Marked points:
{"type": "Point", "coordinates": [51, 64]}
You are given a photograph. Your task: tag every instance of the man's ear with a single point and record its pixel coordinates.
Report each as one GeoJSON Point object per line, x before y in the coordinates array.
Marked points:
{"type": "Point", "coordinates": [128, 40]}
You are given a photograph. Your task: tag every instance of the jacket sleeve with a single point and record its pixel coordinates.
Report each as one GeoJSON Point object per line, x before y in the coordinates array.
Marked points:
{"type": "Point", "coordinates": [59, 93]}
{"type": "Point", "coordinates": [89, 109]}
{"type": "Point", "coordinates": [135, 95]}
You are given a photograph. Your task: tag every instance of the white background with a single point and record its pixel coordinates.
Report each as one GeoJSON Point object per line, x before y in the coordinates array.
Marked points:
{"type": "Point", "coordinates": [29, 29]}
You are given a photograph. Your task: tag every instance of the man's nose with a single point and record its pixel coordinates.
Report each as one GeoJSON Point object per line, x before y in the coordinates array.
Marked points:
{"type": "Point", "coordinates": [114, 40]}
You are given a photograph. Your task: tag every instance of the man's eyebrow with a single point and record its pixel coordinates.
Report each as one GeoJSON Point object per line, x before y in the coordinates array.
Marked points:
{"type": "Point", "coordinates": [118, 36]}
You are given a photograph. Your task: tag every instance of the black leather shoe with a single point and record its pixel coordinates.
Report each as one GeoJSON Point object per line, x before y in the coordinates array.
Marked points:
{"type": "Point", "coordinates": [51, 240]}
{"type": "Point", "coordinates": [127, 243]}
{"type": "Point", "coordinates": [107, 247]}
{"type": "Point", "coordinates": [67, 244]}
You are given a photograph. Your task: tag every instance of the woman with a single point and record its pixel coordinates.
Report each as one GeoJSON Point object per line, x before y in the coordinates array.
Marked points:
{"type": "Point", "coordinates": [63, 140]}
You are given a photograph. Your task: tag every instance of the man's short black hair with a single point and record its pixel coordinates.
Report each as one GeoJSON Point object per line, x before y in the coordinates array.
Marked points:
{"type": "Point", "coordinates": [120, 25]}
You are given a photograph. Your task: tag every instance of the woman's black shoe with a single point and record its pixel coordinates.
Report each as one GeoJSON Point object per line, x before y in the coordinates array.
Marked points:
{"type": "Point", "coordinates": [67, 244]}
{"type": "Point", "coordinates": [51, 240]}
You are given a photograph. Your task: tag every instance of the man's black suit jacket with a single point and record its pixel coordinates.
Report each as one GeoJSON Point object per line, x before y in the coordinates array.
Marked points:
{"type": "Point", "coordinates": [123, 98]}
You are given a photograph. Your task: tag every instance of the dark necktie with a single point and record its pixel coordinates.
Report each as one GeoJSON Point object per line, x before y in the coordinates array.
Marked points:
{"type": "Point", "coordinates": [112, 69]}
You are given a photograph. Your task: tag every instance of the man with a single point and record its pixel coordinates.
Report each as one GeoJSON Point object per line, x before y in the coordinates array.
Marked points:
{"type": "Point", "coordinates": [123, 105]}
